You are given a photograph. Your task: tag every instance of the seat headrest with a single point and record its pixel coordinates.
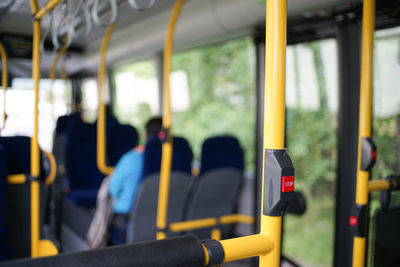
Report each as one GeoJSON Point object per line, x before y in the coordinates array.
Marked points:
{"type": "Point", "coordinates": [64, 121]}
{"type": "Point", "coordinates": [121, 139]}
{"type": "Point", "coordinates": [182, 156]}
{"type": "Point", "coordinates": [111, 121]}
{"type": "Point", "coordinates": [221, 152]}
{"type": "Point", "coordinates": [18, 152]}
{"type": "Point", "coordinates": [80, 155]}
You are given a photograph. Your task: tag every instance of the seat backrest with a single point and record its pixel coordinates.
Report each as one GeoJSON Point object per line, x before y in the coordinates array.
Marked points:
{"type": "Point", "coordinates": [182, 156]}
{"type": "Point", "coordinates": [142, 224]}
{"type": "Point", "coordinates": [385, 245]}
{"type": "Point", "coordinates": [18, 150]}
{"type": "Point", "coordinates": [18, 153]}
{"type": "Point", "coordinates": [5, 253]}
{"type": "Point", "coordinates": [63, 122]}
{"type": "Point", "coordinates": [207, 200]}
{"type": "Point", "coordinates": [142, 219]}
{"type": "Point", "coordinates": [111, 122]}
{"type": "Point", "coordinates": [221, 171]}
{"type": "Point", "coordinates": [81, 164]}
{"type": "Point", "coordinates": [59, 140]}
{"type": "Point", "coordinates": [121, 139]}
{"type": "Point", "coordinates": [221, 152]}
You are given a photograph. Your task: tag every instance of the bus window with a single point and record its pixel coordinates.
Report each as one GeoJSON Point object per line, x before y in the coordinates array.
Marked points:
{"type": "Point", "coordinates": [312, 102]}
{"type": "Point", "coordinates": [386, 110]}
{"type": "Point", "coordinates": [19, 107]}
{"type": "Point", "coordinates": [90, 99]}
{"type": "Point", "coordinates": [136, 96]}
{"type": "Point", "coordinates": [216, 90]}
{"type": "Point", "coordinates": [386, 130]}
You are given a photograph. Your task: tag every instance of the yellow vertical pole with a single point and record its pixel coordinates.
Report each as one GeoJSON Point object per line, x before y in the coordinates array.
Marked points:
{"type": "Point", "coordinates": [101, 116]}
{"type": "Point", "coordinates": [274, 111]}
{"type": "Point", "coordinates": [4, 79]}
{"type": "Point", "coordinates": [47, 247]}
{"type": "Point", "coordinates": [35, 168]}
{"type": "Point", "coordinates": [359, 243]}
{"type": "Point", "coordinates": [166, 160]}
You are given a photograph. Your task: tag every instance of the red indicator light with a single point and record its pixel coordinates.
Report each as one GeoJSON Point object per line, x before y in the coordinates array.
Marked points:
{"type": "Point", "coordinates": [373, 155]}
{"type": "Point", "coordinates": [287, 183]}
{"type": "Point", "coordinates": [353, 220]}
{"type": "Point", "coordinates": [161, 135]}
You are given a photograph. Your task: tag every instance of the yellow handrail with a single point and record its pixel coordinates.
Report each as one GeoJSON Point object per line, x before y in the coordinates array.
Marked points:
{"type": "Point", "coordinates": [274, 111]}
{"type": "Point", "coordinates": [4, 79]}
{"type": "Point", "coordinates": [193, 224]}
{"type": "Point", "coordinates": [16, 179]}
{"type": "Point", "coordinates": [359, 243]}
{"type": "Point", "coordinates": [166, 159]}
{"type": "Point", "coordinates": [53, 168]}
{"type": "Point", "coordinates": [39, 14]}
{"type": "Point", "coordinates": [378, 185]}
{"type": "Point", "coordinates": [247, 247]}
{"type": "Point", "coordinates": [38, 247]}
{"type": "Point", "coordinates": [101, 116]}
{"type": "Point", "coordinates": [210, 222]}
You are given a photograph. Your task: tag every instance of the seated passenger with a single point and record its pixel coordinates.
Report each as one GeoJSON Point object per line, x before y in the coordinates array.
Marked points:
{"type": "Point", "coordinates": [128, 172]}
{"type": "Point", "coordinates": [121, 186]}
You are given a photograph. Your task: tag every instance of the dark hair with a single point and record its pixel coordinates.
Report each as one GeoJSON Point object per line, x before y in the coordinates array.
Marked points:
{"type": "Point", "coordinates": [153, 126]}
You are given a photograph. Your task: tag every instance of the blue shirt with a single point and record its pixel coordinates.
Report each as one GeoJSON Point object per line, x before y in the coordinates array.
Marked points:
{"type": "Point", "coordinates": [125, 180]}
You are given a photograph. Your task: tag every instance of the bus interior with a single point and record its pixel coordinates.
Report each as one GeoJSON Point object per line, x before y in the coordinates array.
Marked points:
{"type": "Point", "coordinates": [80, 80]}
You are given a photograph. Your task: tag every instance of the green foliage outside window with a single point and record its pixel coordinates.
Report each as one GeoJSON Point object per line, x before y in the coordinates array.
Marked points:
{"type": "Point", "coordinates": [221, 94]}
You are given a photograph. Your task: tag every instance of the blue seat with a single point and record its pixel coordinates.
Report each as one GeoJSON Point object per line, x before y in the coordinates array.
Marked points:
{"type": "Point", "coordinates": [17, 149]}
{"type": "Point", "coordinates": [181, 157]}
{"type": "Point", "coordinates": [142, 218]}
{"type": "Point", "coordinates": [221, 152]}
{"type": "Point", "coordinates": [63, 122]}
{"type": "Point", "coordinates": [111, 122]}
{"type": "Point", "coordinates": [121, 139]}
{"type": "Point", "coordinates": [83, 177]}
{"type": "Point", "coordinates": [5, 252]}
{"type": "Point", "coordinates": [221, 171]}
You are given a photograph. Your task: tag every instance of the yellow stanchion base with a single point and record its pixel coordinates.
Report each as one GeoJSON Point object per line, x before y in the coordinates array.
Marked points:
{"type": "Point", "coordinates": [46, 248]}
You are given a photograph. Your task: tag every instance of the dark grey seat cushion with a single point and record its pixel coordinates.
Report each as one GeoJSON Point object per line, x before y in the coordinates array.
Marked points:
{"type": "Point", "coordinates": [142, 221]}
{"type": "Point", "coordinates": [215, 194]}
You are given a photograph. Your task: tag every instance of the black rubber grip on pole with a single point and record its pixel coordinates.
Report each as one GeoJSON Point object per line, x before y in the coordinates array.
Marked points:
{"type": "Point", "coordinates": [215, 251]}
{"type": "Point", "coordinates": [368, 154]}
{"type": "Point", "coordinates": [394, 181]}
{"type": "Point", "coordinates": [180, 251]}
{"type": "Point", "coordinates": [164, 135]}
{"type": "Point", "coordinates": [358, 220]}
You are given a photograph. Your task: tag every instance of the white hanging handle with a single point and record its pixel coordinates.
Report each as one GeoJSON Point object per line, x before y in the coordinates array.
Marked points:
{"type": "Point", "coordinates": [71, 23]}
{"type": "Point", "coordinates": [42, 48]}
{"type": "Point", "coordinates": [88, 19]}
{"type": "Point", "coordinates": [95, 13]}
{"type": "Point", "coordinates": [56, 29]}
{"type": "Point", "coordinates": [137, 7]}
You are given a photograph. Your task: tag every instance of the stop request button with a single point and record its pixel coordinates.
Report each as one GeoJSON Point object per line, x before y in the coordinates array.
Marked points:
{"type": "Point", "coordinates": [287, 184]}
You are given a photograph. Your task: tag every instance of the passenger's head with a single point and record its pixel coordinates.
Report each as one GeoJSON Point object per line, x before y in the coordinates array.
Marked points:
{"type": "Point", "coordinates": [153, 126]}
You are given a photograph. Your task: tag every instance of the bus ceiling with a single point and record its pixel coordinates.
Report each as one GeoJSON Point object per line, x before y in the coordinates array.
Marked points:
{"type": "Point", "coordinates": [203, 22]}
